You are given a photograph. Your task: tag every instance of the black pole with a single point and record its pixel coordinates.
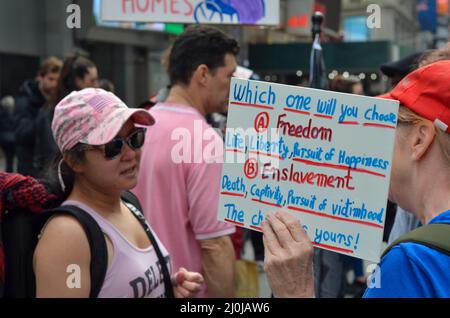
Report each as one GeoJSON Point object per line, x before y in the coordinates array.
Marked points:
{"type": "Point", "coordinates": [317, 19]}
{"type": "Point", "coordinates": [317, 76]}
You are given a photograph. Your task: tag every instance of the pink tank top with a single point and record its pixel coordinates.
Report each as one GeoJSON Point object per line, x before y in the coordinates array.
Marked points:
{"type": "Point", "coordinates": [133, 272]}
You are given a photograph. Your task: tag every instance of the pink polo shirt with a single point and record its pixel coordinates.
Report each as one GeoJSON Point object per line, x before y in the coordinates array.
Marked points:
{"type": "Point", "coordinates": [179, 183]}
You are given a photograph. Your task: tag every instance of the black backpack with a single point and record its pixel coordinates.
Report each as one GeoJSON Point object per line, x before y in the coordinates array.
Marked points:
{"type": "Point", "coordinates": [20, 230]}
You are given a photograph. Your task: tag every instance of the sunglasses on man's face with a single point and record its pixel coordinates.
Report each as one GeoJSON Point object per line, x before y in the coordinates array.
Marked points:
{"type": "Point", "coordinates": [114, 148]}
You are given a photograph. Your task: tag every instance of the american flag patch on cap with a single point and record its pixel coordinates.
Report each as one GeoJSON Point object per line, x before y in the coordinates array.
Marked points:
{"type": "Point", "coordinates": [99, 102]}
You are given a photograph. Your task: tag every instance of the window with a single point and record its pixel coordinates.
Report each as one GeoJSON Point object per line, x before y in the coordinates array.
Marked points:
{"type": "Point", "coordinates": [355, 29]}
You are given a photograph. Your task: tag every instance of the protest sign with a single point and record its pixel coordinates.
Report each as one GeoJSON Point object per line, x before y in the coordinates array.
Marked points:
{"type": "Point", "coordinates": [321, 155]}
{"type": "Point", "coordinates": [251, 12]}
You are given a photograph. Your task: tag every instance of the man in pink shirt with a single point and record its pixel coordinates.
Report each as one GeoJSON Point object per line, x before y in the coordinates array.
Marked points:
{"type": "Point", "coordinates": [179, 181]}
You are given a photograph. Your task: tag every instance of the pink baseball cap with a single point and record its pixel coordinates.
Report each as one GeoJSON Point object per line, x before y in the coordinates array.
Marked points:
{"type": "Point", "coordinates": [93, 116]}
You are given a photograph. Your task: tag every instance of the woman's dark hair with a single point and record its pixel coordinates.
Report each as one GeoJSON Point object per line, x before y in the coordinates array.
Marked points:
{"type": "Point", "coordinates": [51, 177]}
{"type": "Point", "coordinates": [74, 67]}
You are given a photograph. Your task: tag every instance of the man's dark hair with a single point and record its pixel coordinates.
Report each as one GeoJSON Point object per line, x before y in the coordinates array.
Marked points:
{"type": "Point", "coordinates": [199, 45]}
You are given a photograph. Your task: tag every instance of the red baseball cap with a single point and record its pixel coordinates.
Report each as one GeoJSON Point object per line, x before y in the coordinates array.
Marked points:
{"type": "Point", "coordinates": [426, 91]}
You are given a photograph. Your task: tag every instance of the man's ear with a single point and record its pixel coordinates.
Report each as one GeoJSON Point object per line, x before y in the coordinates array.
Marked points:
{"type": "Point", "coordinates": [76, 167]}
{"type": "Point", "coordinates": [201, 74]}
{"type": "Point", "coordinates": [424, 134]}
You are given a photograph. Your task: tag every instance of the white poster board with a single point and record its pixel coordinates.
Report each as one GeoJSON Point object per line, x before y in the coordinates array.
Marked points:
{"type": "Point", "coordinates": [321, 155]}
{"type": "Point", "coordinates": [251, 12]}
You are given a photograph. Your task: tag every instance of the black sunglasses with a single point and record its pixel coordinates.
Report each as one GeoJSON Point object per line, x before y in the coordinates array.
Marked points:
{"type": "Point", "coordinates": [113, 148]}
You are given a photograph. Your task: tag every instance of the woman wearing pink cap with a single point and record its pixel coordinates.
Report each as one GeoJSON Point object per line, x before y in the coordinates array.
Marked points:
{"type": "Point", "coordinates": [420, 182]}
{"type": "Point", "coordinates": [100, 138]}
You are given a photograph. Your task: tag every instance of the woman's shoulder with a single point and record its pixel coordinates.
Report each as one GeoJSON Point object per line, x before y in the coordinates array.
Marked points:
{"type": "Point", "coordinates": [64, 234]}
{"type": "Point", "coordinates": [62, 249]}
{"type": "Point", "coordinates": [420, 255]}
{"type": "Point", "coordinates": [63, 223]}
{"type": "Point", "coordinates": [414, 270]}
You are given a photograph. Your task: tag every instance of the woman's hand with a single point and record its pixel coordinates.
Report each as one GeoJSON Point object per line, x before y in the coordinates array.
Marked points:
{"type": "Point", "coordinates": [186, 284]}
{"type": "Point", "coordinates": [288, 256]}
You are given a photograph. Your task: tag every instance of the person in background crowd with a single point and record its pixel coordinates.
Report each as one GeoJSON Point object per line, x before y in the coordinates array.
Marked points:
{"type": "Point", "coordinates": [180, 195]}
{"type": "Point", "coordinates": [33, 95]}
{"type": "Point", "coordinates": [397, 70]}
{"type": "Point", "coordinates": [351, 85]}
{"type": "Point", "coordinates": [163, 93]}
{"type": "Point", "coordinates": [419, 183]}
{"type": "Point", "coordinates": [7, 138]}
{"type": "Point", "coordinates": [77, 73]}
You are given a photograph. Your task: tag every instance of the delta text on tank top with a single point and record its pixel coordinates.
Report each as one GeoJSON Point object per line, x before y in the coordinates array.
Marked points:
{"type": "Point", "coordinates": [133, 272]}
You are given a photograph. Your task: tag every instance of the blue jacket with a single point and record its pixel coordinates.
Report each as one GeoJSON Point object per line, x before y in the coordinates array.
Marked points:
{"type": "Point", "coordinates": [413, 270]}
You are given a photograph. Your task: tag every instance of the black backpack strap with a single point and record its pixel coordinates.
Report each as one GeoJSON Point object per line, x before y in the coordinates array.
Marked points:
{"type": "Point", "coordinates": [436, 236]}
{"type": "Point", "coordinates": [129, 197]}
{"type": "Point", "coordinates": [136, 209]}
{"type": "Point", "coordinates": [96, 239]}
